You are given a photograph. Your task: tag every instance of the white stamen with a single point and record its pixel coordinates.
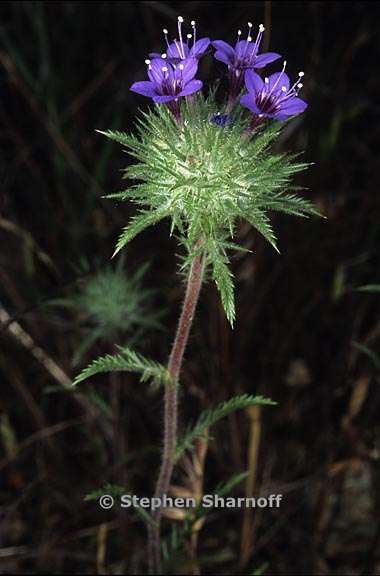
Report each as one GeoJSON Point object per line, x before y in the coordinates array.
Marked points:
{"type": "Point", "coordinates": [249, 39]}
{"type": "Point", "coordinates": [180, 47]}
{"type": "Point", "coordinates": [258, 38]}
{"type": "Point", "coordinates": [300, 74]}
{"type": "Point", "coordinates": [165, 31]}
{"type": "Point", "coordinates": [239, 32]}
{"type": "Point", "coordinates": [147, 61]}
{"type": "Point", "coordinates": [164, 69]}
{"type": "Point", "coordinates": [195, 31]}
{"type": "Point", "coordinates": [266, 80]}
{"type": "Point", "coordinates": [283, 88]}
{"type": "Point", "coordinates": [189, 36]}
{"type": "Point", "coordinates": [279, 78]}
{"type": "Point", "coordinates": [181, 66]}
{"type": "Point", "coordinates": [163, 55]}
{"type": "Point", "coordinates": [250, 24]}
{"type": "Point", "coordinates": [300, 85]}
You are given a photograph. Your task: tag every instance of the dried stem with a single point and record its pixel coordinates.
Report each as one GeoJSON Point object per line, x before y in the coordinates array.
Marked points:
{"type": "Point", "coordinates": [194, 283]}
{"type": "Point", "coordinates": [254, 413]}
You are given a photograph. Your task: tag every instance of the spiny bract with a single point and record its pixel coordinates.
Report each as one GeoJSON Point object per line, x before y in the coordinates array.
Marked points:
{"type": "Point", "coordinates": [205, 178]}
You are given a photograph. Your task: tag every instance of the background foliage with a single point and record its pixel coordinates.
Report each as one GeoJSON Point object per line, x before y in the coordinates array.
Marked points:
{"type": "Point", "coordinates": [304, 335]}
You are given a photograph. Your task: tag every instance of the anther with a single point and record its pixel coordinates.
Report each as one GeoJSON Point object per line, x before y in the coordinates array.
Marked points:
{"type": "Point", "coordinates": [147, 62]}
{"type": "Point", "coordinates": [180, 19]}
{"type": "Point", "coordinates": [261, 28]}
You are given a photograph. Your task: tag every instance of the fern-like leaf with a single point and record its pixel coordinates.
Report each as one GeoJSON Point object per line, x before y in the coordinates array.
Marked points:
{"type": "Point", "coordinates": [126, 361]}
{"type": "Point", "coordinates": [138, 224]}
{"type": "Point", "coordinates": [261, 222]}
{"type": "Point", "coordinates": [116, 136]}
{"type": "Point", "coordinates": [223, 278]}
{"type": "Point", "coordinates": [211, 417]}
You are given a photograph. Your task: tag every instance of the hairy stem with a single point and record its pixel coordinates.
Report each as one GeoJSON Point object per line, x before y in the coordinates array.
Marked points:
{"type": "Point", "coordinates": [194, 283]}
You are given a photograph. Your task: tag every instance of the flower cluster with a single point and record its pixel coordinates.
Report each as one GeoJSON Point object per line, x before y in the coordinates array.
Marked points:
{"type": "Point", "coordinates": [172, 76]}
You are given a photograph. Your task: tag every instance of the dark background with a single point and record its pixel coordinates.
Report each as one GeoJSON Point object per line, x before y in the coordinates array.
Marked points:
{"type": "Point", "coordinates": [65, 70]}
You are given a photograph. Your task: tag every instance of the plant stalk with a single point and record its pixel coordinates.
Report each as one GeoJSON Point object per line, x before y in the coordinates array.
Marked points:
{"type": "Point", "coordinates": [194, 283]}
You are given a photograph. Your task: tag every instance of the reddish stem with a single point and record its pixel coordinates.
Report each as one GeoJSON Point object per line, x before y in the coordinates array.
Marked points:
{"type": "Point", "coordinates": [194, 283]}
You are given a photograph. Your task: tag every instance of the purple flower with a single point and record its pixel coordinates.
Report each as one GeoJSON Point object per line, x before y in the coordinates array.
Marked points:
{"type": "Point", "coordinates": [168, 82]}
{"type": "Point", "coordinates": [273, 97]}
{"type": "Point", "coordinates": [221, 120]}
{"type": "Point", "coordinates": [180, 49]}
{"type": "Point", "coordinates": [243, 57]}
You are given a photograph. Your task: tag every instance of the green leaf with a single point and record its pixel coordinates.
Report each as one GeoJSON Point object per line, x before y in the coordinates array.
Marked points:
{"type": "Point", "coordinates": [211, 417]}
{"type": "Point", "coordinates": [372, 288]}
{"type": "Point", "coordinates": [113, 490]}
{"type": "Point", "coordinates": [289, 204]}
{"type": "Point", "coordinates": [223, 278]}
{"type": "Point", "coordinates": [116, 492]}
{"type": "Point", "coordinates": [127, 361]}
{"type": "Point", "coordinates": [260, 571]}
{"type": "Point", "coordinates": [375, 358]}
{"type": "Point", "coordinates": [226, 487]}
{"type": "Point", "coordinates": [138, 224]}
{"type": "Point", "coordinates": [222, 489]}
{"type": "Point", "coordinates": [258, 219]}
{"type": "Point", "coordinates": [264, 138]}
{"type": "Point", "coordinates": [120, 137]}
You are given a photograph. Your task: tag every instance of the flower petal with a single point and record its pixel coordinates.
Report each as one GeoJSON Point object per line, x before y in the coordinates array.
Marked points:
{"type": "Point", "coordinates": [200, 47]}
{"type": "Point", "coordinates": [223, 57]}
{"type": "Point", "coordinates": [145, 88]}
{"type": "Point", "coordinates": [293, 106]}
{"type": "Point", "coordinates": [186, 70]}
{"type": "Point", "coordinates": [253, 82]}
{"type": "Point", "coordinates": [263, 59]}
{"type": "Point", "coordinates": [164, 99]}
{"type": "Point", "coordinates": [244, 49]}
{"type": "Point", "coordinates": [248, 101]}
{"type": "Point", "coordinates": [174, 50]}
{"type": "Point", "coordinates": [191, 88]}
{"type": "Point", "coordinates": [278, 79]}
{"type": "Point", "coordinates": [156, 72]}
{"type": "Point", "coordinates": [222, 46]}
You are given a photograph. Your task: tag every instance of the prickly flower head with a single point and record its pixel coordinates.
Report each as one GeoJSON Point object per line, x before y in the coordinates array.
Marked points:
{"type": "Point", "coordinates": [205, 165]}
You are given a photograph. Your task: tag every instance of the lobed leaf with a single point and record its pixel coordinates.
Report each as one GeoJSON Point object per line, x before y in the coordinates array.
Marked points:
{"type": "Point", "coordinates": [211, 417]}
{"type": "Point", "coordinates": [126, 361]}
